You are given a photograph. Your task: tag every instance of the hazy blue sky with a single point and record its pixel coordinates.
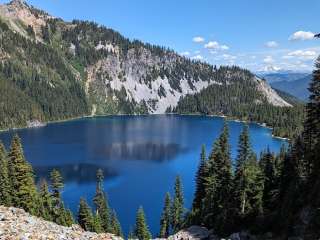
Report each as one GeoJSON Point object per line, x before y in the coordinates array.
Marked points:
{"type": "Point", "coordinates": [256, 34]}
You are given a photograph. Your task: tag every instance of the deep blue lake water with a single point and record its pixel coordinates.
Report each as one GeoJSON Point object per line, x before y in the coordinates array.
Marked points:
{"type": "Point", "coordinates": [140, 156]}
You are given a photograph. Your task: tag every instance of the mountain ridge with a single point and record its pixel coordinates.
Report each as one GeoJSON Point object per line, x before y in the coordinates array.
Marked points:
{"type": "Point", "coordinates": [99, 70]}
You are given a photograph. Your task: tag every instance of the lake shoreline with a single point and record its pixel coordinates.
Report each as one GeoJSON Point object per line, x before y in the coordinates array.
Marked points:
{"type": "Point", "coordinates": [228, 118]}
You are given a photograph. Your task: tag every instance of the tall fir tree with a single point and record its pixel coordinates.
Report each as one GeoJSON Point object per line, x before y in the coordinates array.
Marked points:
{"type": "Point", "coordinates": [201, 175]}
{"type": "Point", "coordinates": [5, 187]}
{"type": "Point", "coordinates": [271, 187]}
{"type": "Point", "coordinates": [248, 182]}
{"type": "Point", "coordinates": [85, 216]}
{"type": "Point", "coordinates": [141, 231]}
{"type": "Point", "coordinates": [115, 225]}
{"type": "Point", "coordinates": [177, 208]}
{"type": "Point", "coordinates": [311, 131]}
{"type": "Point", "coordinates": [101, 204]}
{"type": "Point", "coordinates": [165, 217]}
{"type": "Point", "coordinates": [60, 214]}
{"type": "Point", "coordinates": [22, 179]}
{"type": "Point", "coordinates": [218, 184]}
{"type": "Point", "coordinates": [46, 211]}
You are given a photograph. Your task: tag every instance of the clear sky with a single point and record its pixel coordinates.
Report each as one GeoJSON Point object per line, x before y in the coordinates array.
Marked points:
{"type": "Point", "coordinates": [256, 34]}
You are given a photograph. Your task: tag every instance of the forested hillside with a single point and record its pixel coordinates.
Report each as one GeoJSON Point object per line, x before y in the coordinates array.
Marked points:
{"type": "Point", "coordinates": [240, 100]}
{"type": "Point", "coordinates": [59, 70]}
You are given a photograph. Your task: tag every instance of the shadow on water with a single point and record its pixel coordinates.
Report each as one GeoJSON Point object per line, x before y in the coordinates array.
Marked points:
{"type": "Point", "coordinates": [150, 151]}
{"type": "Point", "coordinates": [79, 173]}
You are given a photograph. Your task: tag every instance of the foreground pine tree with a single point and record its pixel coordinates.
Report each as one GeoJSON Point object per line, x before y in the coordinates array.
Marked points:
{"type": "Point", "coordinates": [60, 215]}
{"type": "Point", "coordinates": [101, 204]}
{"type": "Point", "coordinates": [46, 205]}
{"type": "Point", "coordinates": [201, 175]}
{"type": "Point", "coordinates": [5, 185]}
{"type": "Point", "coordinates": [218, 183]}
{"type": "Point", "coordinates": [24, 192]}
{"type": "Point", "coordinates": [115, 225]}
{"type": "Point", "coordinates": [85, 216]}
{"type": "Point", "coordinates": [248, 182]}
{"type": "Point", "coordinates": [177, 209]}
{"type": "Point", "coordinates": [141, 228]}
{"type": "Point", "coordinates": [165, 218]}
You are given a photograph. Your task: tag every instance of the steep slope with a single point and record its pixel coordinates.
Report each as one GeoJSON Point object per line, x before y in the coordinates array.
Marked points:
{"type": "Point", "coordinates": [297, 88]}
{"type": "Point", "coordinates": [70, 69]}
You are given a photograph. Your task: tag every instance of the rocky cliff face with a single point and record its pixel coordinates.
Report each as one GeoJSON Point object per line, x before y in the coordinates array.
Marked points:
{"type": "Point", "coordinates": [116, 75]}
{"type": "Point", "coordinates": [17, 224]}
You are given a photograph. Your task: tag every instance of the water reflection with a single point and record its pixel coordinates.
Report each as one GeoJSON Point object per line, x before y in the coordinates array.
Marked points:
{"type": "Point", "coordinates": [79, 173]}
{"type": "Point", "coordinates": [149, 151]}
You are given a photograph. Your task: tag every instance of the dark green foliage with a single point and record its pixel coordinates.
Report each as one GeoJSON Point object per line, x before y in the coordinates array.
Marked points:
{"type": "Point", "coordinates": [85, 216]}
{"type": "Point", "coordinates": [44, 82]}
{"type": "Point", "coordinates": [239, 100]}
{"type": "Point", "coordinates": [165, 217]}
{"type": "Point", "coordinates": [201, 175]}
{"type": "Point", "coordinates": [5, 185]}
{"type": "Point", "coordinates": [22, 180]}
{"type": "Point", "coordinates": [271, 181]}
{"type": "Point", "coordinates": [115, 225]}
{"type": "Point", "coordinates": [217, 183]}
{"type": "Point", "coordinates": [141, 230]}
{"type": "Point", "coordinates": [60, 214]}
{"type": "Point", "coordinates": [177, 208]}
{"type": "Point", "coordinates": [101, 204]}
{"type": "Point", "coordinates": [248, 182]}
{"type": "Point", "coordinates": [46, 205]}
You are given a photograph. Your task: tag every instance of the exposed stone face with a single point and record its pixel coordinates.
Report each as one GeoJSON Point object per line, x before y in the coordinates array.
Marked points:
{"type": "Point", "coordinates": [17, 224]}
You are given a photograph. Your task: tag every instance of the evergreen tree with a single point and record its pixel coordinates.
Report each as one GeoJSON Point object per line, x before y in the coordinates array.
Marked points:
{"type": "Point", "coordinates": [56, 187]}
{"type": "Point", "coordinates": [219, 183]}
{"type": "Point", "coordinates": [5, 187]}
{"type": "Point", "coordinates": [270, 192]}
{"type": "Point", "coordinates": [60, 215]}
{"type": "Point", "coordinates": [46, 210]}
{"type": "Point", "coordinates": [141, 228]}
{"type": "Point", "coordinates": [177, 209]}
{"type": "Point", "coordinates": [101, 204]}
{"type": "Point", "coordinates": [97, 224]}
{"type": "Point", "coordinates": [311, 132]}
{"type": "Point", "coordinates": [115, 225]}
{"type": "Point", "coordinates": [85, 216]}
{"type": "Point", "coordinates": [197, 205]}
{"type": "Point", "coordinates": [22, 179]}
{"type": "Point", "coordinates": [165, 217]}
{"type": "Point", "coordinates": [248, 182]}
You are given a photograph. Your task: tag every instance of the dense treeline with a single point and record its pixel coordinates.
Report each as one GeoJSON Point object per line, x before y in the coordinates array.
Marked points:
{"type": "Point", "coordinates": [46, 69]}
{"type": "Point", "coordinates": [37, 75]}
{"type": "Point", "coordinates": [241, 100]}
{"type": "Point", "coordinates": [278, 194]}
{"type": "Point", "coordinates": [18, 189]}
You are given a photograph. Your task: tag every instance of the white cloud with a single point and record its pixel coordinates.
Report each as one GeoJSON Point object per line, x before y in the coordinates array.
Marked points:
{"type": "Point", "coordinates": [198, 39]}
{"type": "Point", "coordinates": [271, 44]}
{"type": "Point", "coordinates": [229, 57]}
{"type": "Point", "coordinates": [214, 45]}
{"type": "Point", "coordinates": [268, 59]}
{"type": "Point", "coordinates": [224, 47]}
{"type": "Point", "coordinates": [197, 57]}
{"type": "Point", "coordinates": [196, 52]}
{"type": "Point", "coordinates": [303, 54]}
{"type": "Point", "coordinates": [301, 35]}
{"type": "Point", "coordinates": [185, 53]}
